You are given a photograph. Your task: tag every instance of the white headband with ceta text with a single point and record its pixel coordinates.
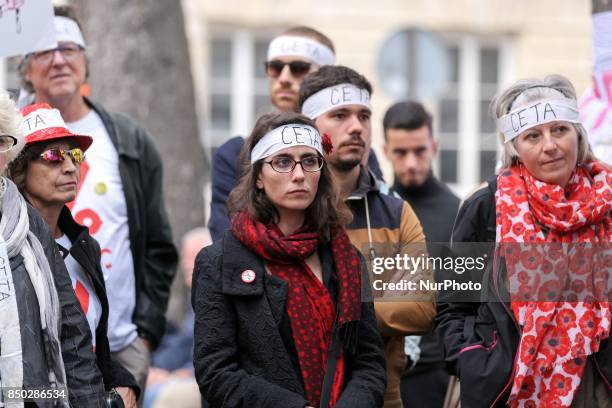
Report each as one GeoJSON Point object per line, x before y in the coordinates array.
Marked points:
{"type": "Point", "coordinates": [537, 113]}
{"type": "Point", "coordinates": [335, 97]}
{"type": "Point", "coordinates": [282, 137]}
{"type": "Point", "coordinates": [67, 30]}
{"type": "Point", "coordinates": [290, 46]}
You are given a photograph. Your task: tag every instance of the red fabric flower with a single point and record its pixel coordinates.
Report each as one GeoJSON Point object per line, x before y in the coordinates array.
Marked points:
{"type": "Point", "coordinates": [566, 319]}
{"type": "Point", "coordinates": [528, 349]}
{"type": "Point", "coordinates": [527, 386]}
{"type": "Point", "coordinates": [560, 384]}
{"type": "Point", "coordinates": [556, 341]}
{"type": "Point", "coordinates": [327, 143]}
{"type": "Point", "coordinates": [530, 257]}
{"type": "Point", "coordinates": [588, 324]}
{"type": "Point", "coordinates": [575, 366]}
{"type": "Point", "coordinates": [549, 291]}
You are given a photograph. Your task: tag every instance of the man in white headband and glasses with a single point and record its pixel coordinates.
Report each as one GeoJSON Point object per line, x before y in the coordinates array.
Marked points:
{"type": "Point", "coordinates": [120, 198]}
{"type": "Point", "coordinates": [293, 54]}
{"type": "Point", "coordinates": [338, 100]}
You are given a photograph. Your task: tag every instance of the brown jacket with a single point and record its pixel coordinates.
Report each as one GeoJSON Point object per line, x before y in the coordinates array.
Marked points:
{"type": "Point", "coordinates": [384, 226]}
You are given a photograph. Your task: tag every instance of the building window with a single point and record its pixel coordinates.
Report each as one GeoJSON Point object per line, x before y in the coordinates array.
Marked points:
{"type": "Point", "coordinates": [466, 131]}
{"type": "Point", "coordinates": [237, 83]}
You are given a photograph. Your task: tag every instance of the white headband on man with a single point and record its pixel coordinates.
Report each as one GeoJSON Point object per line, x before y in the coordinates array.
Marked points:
{"type": "Point", "coordinates": [537, 113]}
{"type": "Point", "coordinates": [290, 46]}
{"type": "Point", "coordinates": [335, 97]}
{"type": "Point", "coordinates": [68, 30]}
{"type": "Point", "coordinates": [282, 137]}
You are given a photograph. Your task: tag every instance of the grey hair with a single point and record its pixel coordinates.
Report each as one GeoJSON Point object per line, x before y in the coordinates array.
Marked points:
{"type": "Point", "coordinates": [10, 124]}
{"type": "Point", "coordinates": [525, 91]}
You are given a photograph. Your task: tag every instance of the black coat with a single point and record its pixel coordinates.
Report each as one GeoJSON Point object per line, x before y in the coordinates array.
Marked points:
{"type": "Point", "coordinates": [243, 358]}
{"type": "Point", "coordinates": [86, 251]}
{"type": "Point", "coordinates": [83, 378]}
{"type": "Point", "coordinates": [485, 372]}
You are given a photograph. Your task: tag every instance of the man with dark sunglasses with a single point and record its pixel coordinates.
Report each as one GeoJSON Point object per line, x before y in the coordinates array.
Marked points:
{"type": "Point", "coordinates": [120, 198]}
{"type": "Point", "coordinates": [292, 55]}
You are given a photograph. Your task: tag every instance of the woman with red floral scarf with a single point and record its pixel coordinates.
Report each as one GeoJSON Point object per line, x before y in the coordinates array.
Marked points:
{"type": "Point", "coordinates": [541, 335]}
{"type": "Point", "coordinates": [281, 318]}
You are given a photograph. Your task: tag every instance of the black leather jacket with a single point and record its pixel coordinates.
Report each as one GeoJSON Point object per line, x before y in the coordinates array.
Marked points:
{"type": "Point", "coordinates": [84, 380]}
{"type": "Point", "coordinates": [153, 251]}
{"type": "Point", "coordinates": [86, 251]}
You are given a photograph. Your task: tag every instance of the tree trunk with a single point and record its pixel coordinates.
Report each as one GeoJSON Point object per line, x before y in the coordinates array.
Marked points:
{"type": "Point", "coordinates": [139, 64]}
{"type": "Point", "coordinates": [599, 6]}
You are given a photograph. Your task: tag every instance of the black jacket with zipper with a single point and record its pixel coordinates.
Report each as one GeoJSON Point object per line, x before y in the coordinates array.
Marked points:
{"type": "Point", "coordinates": [86, 251]}
{"type": "Point", "coordinates": [244, 352]}
{"type": "Point", "coordinates": [83, 376]}
{"type": "Point", "coordinates": [481, 339]}
{"type": "Point", "coordinates": [153, 251]}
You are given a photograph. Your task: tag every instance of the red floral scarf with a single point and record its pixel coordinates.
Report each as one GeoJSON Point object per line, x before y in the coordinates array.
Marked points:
{"type": "Point", "coordinates": [555, 264]}
{"type": "Point", "coordinates": [309, 305]}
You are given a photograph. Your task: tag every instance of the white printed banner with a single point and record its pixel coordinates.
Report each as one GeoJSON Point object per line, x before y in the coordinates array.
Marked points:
{"type": "Point", "coordinates": [26, 26]}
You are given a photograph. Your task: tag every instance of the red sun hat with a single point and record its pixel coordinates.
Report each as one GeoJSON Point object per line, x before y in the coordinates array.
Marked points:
{"type": "Point", "coordinates": [41, 123]}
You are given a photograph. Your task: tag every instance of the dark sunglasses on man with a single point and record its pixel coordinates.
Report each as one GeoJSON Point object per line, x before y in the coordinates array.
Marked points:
{"type": "Point", "coordinates": [297, 68]}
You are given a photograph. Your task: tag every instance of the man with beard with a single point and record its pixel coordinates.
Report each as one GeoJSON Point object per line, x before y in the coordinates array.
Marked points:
{"type": "Point", "coordinates": [293, 54]}
{"type": "Point", "coordinates": [338, 99]}
{"type": "Point", "coordinates": [411, 149]}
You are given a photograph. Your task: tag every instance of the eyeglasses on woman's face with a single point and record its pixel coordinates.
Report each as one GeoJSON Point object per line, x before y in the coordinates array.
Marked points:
{"type": "Point", "coordinates": [285, 164]}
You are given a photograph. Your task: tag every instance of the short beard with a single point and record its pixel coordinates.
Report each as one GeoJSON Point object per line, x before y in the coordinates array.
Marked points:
{"type": "Point", "coordinates": [345, 166]}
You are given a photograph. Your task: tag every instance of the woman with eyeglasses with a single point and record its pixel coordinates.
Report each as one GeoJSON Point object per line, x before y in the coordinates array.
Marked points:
{"type": "Point", "coordinates": [47, 173]}
{"type": "Point", "coordinates": [281, 319]}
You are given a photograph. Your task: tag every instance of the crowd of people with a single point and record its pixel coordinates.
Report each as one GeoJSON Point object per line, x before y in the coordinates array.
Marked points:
{"type": "Point", "coordinates": [283, 313]}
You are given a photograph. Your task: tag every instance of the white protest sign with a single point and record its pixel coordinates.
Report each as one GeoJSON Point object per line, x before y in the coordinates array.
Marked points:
{"type": "Point", "coordinates": [26, 26]}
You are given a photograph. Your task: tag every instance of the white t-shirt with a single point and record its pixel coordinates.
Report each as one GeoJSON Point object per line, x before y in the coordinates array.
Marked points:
{"type": "Point", "coordinates": [100, 205]}
{"type": "Point", "coordinates": [83, 288]}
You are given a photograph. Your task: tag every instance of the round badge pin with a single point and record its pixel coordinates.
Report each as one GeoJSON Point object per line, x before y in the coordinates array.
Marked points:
{"type": "Point", "coordinates": [248, 276]}
{"type": "Point", "coordinates": [100, 188]}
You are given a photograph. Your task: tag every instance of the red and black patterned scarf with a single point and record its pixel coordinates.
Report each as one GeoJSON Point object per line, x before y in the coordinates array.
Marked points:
{"type": "Point", "coordinates": [309, 306]}
{"type": "Point", "coordinates": [566, 264]}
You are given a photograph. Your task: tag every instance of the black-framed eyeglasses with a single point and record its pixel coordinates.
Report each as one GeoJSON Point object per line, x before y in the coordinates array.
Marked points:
{"type": "Point", "coordinates": [69, 51]}
{"type": "Point", "coordinates": [284, 164]}
{"type": "Point", "coordinates": [7, 142]}
{"type": "Point", "coordinates": [297, 68]}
